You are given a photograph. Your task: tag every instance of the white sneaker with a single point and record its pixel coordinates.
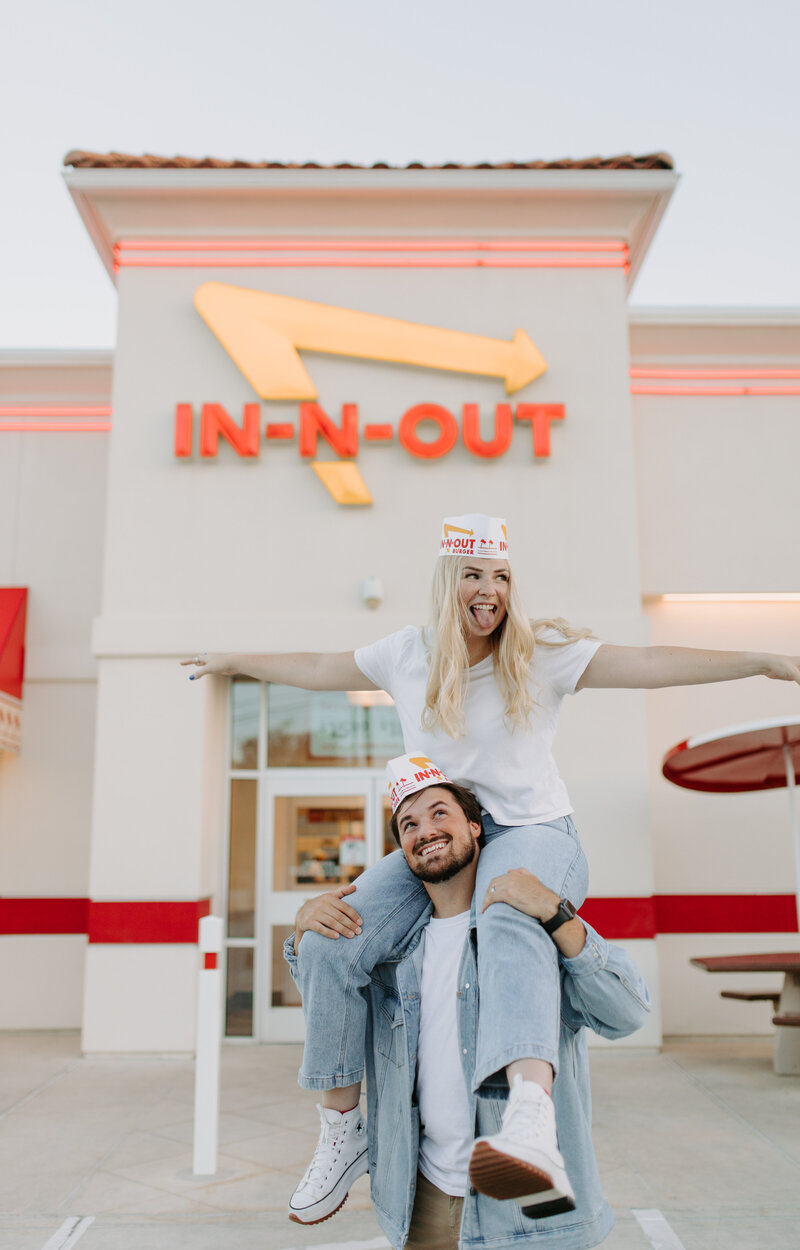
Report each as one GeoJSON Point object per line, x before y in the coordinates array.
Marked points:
{"type": "Point", "coordinates": [523, 1161]}
{"type": "Point", "coordinates": [339, 1159]}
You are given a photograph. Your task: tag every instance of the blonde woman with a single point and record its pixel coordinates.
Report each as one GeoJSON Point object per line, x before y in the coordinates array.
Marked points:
{"type": "Point", "coordinates": [479, 691]}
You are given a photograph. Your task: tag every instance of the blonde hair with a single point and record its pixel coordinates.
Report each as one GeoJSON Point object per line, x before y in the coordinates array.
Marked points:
{"type": "Point", "coordinates": [512, 645]}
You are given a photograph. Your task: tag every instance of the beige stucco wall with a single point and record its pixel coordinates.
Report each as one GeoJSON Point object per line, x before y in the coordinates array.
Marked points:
{"type": "Point", "coordinates": [52, 516]}
{"type": "Point", "coordinates": [638, 498]}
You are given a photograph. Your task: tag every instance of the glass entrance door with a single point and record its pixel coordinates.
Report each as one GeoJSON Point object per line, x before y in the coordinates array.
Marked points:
{"type": "Point", "coordinates": [320, 830]}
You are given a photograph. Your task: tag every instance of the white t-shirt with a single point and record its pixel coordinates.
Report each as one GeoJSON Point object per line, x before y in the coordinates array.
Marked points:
{"type": "Point", "coordinates": [513, 774]}
{"type": "Point", "coordinates": [446, 1129]}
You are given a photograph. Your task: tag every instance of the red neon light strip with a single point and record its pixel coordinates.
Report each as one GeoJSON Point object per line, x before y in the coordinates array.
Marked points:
{"type": "Point", "coordinates": [54, 427]}
{"type": "Point", "coordinates": [55, 410]}
{"type": "Point", "coordinates": [378, 433]}
{"type": "Point", "coordinates": [370, 245]}
{"type": "Point", "coordinates": [714, 374]}
{"type": "Point", "coordinates": [280, 430]}
{"type": "Point", "coordinates": [358, 262]}
{"type": "Point", "coordinates": [715, 390]}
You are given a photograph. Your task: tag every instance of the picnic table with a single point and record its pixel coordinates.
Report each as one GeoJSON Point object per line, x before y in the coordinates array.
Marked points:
{"type": "Point", "coordinates": [786, 1055]}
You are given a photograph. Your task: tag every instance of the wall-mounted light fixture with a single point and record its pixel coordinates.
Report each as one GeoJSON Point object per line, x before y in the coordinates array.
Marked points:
{"type": "Point", "coordinates": [733, 597]}
{"type": "Point", "coordinates": [372, 592]}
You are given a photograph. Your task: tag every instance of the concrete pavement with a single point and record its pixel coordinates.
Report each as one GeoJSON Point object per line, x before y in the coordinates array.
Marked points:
{"type": "Point", "coordinates": [96, 1153]}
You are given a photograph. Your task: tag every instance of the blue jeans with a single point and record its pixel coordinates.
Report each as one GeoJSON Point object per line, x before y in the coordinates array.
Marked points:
{"type": "Point", "coordinates": [517, 961]}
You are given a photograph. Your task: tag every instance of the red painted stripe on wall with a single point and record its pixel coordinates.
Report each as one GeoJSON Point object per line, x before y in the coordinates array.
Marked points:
{"type": "Point", "coordinates": [725, 913]}
{"type": "Point", "coordinates": [615, 918]}
{"type": "Point", "coordinates": [133, 921]}
{"type": "Point", "coordinates": [618, 918]}
{"type": "Point", "coordinates": [43, 915]}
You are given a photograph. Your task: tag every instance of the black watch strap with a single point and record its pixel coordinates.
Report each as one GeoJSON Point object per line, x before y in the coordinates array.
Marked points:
{"type": "Point", "coordinates": [565, 912]}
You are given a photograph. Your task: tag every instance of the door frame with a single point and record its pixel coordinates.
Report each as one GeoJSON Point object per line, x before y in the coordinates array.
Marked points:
{"type": "Point", "coordinates": [279, 907]}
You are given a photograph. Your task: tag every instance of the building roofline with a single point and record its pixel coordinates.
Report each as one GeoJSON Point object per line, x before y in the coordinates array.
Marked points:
{"type": "Point", "coordinates": [79, 159]}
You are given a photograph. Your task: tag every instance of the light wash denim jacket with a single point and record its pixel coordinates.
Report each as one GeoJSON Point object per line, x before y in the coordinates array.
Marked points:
{"type": "Point", "coordinates": [601, 989]}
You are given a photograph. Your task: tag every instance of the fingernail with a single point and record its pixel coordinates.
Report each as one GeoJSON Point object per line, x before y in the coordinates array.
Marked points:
{"type": "Point", "coordinates": [358, 930]}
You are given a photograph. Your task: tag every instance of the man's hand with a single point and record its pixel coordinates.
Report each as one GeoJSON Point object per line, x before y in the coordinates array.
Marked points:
{"type": "Point", "coordinates": [328, 915]}
{"type": "Point", "coordinates": [519, 888]}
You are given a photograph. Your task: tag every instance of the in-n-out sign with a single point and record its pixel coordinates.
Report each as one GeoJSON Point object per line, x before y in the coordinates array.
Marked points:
{"type": "Point", "coordinates": [262, 333]}
{"type": "Point", "coordinates": [344, 438]}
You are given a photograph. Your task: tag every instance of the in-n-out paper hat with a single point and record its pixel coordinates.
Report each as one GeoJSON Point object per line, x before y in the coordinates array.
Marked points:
{"type": "Point", "coordinates": [408, 773]}
{"type": "Point", "coordinates": [484, 537]}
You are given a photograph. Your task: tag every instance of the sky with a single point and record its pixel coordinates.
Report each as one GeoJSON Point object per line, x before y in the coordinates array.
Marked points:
{"type": "Point", "coordinates": [713, 82]}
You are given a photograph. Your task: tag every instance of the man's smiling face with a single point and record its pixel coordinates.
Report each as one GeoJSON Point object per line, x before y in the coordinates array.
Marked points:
{"type": "Point", "coordinates": [435, 835]}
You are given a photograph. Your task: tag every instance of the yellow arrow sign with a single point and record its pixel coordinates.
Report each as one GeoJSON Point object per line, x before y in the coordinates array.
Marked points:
{"type": "Point", "coordinates": [262, 333]}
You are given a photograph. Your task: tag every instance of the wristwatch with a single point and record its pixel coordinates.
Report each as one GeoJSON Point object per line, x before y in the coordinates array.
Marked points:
{"type": "Point", "coordinates": [565, 912]}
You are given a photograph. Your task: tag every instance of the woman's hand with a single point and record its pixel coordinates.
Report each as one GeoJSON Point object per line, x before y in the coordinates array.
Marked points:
{"type": "Point", "coordinates": [328, 915]}
{"type": "Point", "coordinates": [207, 664]}
{"type": "Point", "coordinates": [521, 889]}
{"type": "Point", "coordinates": [782, 667]}
{"type": "Point", "coordinates": [654, 668]}
{"type": "Point", "coordinates": [310, 670]}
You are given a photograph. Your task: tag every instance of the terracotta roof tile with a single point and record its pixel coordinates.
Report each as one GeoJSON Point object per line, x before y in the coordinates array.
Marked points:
{"type": "Point", "coordinates": [121, 160]}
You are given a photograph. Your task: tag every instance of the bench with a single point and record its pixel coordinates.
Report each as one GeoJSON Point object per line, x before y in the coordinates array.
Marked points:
{"type": "Point", "coordinates": [786, 1056]}
{"type": "Point", "coordinates": [754, 996]}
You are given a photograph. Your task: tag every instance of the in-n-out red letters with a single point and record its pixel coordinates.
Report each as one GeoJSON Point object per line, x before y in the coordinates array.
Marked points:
{"type": "Point", "coordinates": [486, 440]}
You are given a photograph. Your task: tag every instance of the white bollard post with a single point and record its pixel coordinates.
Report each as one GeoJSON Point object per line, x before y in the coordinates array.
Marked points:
{"type": "Point", "coordinates": [209, 1039]}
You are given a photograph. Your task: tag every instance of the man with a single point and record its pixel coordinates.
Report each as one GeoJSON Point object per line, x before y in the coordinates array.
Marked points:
{"type": "Point", "coordinates": [420, 1049]}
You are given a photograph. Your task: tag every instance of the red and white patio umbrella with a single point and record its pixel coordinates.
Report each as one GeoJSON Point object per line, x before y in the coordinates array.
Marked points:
{"type": "Point", "coordinates": [760, 755]}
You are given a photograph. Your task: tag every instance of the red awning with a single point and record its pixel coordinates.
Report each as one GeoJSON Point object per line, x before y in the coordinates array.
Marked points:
{"type": "Point", "coordinates": [13, 604]}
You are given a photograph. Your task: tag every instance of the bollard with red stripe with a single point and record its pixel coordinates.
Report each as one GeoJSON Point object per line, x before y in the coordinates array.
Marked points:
{"type": "Point", "coordinates": [209, 1039]}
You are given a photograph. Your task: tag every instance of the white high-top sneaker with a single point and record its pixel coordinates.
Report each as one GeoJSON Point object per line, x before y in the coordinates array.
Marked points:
{"type": "Point", "coordinates": [523, 1161]}
{"type": "Point", "coordinates": [339, 1159]}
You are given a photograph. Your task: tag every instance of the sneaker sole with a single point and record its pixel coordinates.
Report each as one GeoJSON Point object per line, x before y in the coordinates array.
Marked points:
{"type": "Point", "coordinates": [320, 1219]}
{"type": "Point", "coordinates": [499, 1176]}
{"type": "Point", "coordinates": [542, 1210]}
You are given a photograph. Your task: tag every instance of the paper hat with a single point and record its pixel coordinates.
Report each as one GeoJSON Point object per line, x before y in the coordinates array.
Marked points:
{"type": "Point", "coordinates": [476, 535]}
{"type": "Point", "coordinates": [408, 773]}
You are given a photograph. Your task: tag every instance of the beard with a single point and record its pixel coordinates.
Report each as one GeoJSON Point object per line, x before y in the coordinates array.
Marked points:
{"type": "Point", "coordinates": [435, 874]}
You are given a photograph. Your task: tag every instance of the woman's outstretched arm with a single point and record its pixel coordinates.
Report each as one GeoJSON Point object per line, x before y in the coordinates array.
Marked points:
{"type": "Point", "coordinates": [648, 668]}
{"type": "Point", "coordinates": [311, 670]}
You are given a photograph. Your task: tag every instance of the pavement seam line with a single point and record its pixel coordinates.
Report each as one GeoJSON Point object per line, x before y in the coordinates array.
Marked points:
{"type": "Point", "coordinates": [35, 1092]}
{"type": "Point", "coordinates": [726, 1106]}
{"type": "Point", "coordinates": [657, 1229]}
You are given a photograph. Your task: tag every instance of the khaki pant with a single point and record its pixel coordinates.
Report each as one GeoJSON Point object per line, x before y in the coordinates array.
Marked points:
{"type": "Point", "coordinates": [436, 1218]}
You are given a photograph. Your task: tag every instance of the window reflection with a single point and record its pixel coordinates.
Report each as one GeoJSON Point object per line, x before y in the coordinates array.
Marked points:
{"type": "Point", "coordinates": [331, 728]}
{"type": "Point", "coordinates": [242, 859]}
{"type": "Point", "coordinates": [284, 990]}
{"type": "Point", "coordinates": [318, 842]}
{"type": "Point", "coordinates": [239, 992]}
{"type": "Point", "coordinates": [389, 843]}
{"type": "Point", "coordinates": [245, 716]}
